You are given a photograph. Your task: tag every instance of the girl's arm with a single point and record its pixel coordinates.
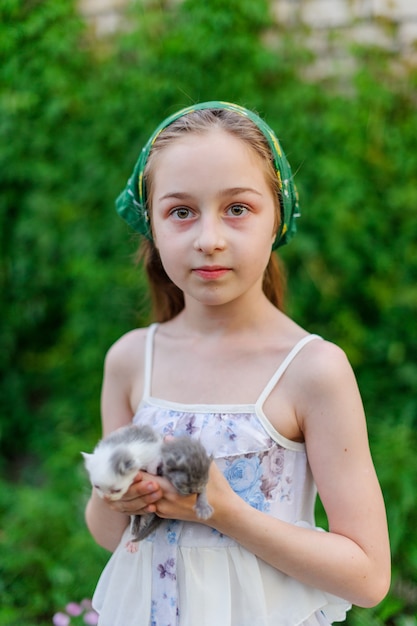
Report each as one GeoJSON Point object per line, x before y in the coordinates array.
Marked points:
{"type": "Point", "coordinates": [105, 521]}
{"type": "Point", "coordinates": [352, 560]}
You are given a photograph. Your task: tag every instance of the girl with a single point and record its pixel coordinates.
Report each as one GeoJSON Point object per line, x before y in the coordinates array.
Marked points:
{"type": "Point", "coordinates": [277, 408]}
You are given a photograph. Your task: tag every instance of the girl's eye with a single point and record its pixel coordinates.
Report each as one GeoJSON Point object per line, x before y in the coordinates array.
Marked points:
{"type": "Point", "coordinates": [181, 213]}
{"type": "Point", "coordinates": [236, 210]}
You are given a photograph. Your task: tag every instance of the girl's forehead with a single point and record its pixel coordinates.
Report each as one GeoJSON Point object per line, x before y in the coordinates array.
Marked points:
{"type": "Point", "coordinates": [210, 143]}
{"type": "Point", "coordinates": [207, 165]}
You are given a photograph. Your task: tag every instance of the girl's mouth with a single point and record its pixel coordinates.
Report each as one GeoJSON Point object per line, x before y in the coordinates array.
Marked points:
{"type": "Point", "coordinates": [211, 272]}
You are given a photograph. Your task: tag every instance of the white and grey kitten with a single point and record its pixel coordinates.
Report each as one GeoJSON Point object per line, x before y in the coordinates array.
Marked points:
{"type": "Point", "coordinates": [116, 460]}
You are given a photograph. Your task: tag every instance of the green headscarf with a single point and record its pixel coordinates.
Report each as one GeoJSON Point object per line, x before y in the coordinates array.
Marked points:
{"type": "Point", "coordinates": [131, 203]}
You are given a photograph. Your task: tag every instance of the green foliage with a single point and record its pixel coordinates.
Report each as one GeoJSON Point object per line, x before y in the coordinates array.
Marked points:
{"type": "Point", "coordinates": [357, 246]}
{"type": "Point", "coordinates": [74, 113]}
{"type": "Point", "coordinates": [48, 557]}
{"type": "Point", "coordinates": [63, 255]}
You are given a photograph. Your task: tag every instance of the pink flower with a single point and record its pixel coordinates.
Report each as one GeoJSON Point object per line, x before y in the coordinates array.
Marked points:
{"type": "Point", "coordinates": [86, 604]}
{"type": "Point", "coordinates": [61, 619]}
{"type": "Point", "coordinates": [91, 618]}
{"type": "Point", "coordinates": [73, 609]}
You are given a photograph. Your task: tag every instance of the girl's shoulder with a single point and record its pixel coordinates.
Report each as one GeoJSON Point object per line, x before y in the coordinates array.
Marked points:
{"type": "Point", "coordinates": [319, 385]}
{"type": "Point", "coordinates": [128, 350]}
{"type": "Point", "coordinates": [320, 364]}
{"type": "Point", "coordinates": [124, 371]}
{"type": "Point", "coordinates": [322, 374]}
{"type": "Point", "coordinates": [315, 357]}
{"type": "Point", "coordinates": [323, 359]}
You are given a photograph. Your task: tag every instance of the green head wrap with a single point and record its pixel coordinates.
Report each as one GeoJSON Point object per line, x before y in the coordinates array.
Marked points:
{"type": "Point", "coordinates": [131, 203]}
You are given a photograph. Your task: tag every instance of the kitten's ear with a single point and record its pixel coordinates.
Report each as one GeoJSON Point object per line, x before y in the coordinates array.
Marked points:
{"type": "Point", "coordinates": [122, 462]}
{"type": "Point", "coordinates": [86, 456]}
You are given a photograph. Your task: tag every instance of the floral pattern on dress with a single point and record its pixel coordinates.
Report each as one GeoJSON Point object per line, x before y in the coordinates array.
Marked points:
{"type": "Point", "coordinates": [172, 531]}
{"type": "Point", "coordinates": [167, 569]}
{"type": "Point", "coordinates": [245, 477]}
{"type": "Point", "coordinates": [257, 468]}
{"type": "Point", "coordinates": [273, 463]}
{"type": "Point", "coordinates": [164, 608]}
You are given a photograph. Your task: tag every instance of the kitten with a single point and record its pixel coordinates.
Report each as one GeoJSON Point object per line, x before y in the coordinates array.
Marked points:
{"type": "Point", "coordinates": [117, 459]}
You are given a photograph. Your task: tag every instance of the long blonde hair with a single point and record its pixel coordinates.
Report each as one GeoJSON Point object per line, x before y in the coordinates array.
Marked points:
{"type": "Point", "coordinates": [167, 298]}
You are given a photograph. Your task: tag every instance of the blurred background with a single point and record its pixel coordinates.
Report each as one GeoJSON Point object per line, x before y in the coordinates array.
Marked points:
{"type": "Point", "coordinates": [82, 87]}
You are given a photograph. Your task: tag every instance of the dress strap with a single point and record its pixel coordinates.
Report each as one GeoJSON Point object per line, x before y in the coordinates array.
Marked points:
{"type": "Point", "coordinates": [147, 380]}
{"type": "Point", "coordinates": [282, 368]}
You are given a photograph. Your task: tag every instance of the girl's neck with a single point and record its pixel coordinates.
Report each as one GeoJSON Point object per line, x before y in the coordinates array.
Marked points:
{"type": "Point", "coordinates": [231, 318]}
{"type": "Point", "coordinates": [220, 360]}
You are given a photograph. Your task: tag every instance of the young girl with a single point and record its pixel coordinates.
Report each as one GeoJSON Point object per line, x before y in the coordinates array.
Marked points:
{"type": "Point", "coordinates": [277, 408]}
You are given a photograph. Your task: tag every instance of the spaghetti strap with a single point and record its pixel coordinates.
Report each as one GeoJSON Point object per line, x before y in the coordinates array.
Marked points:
{"type": "Point", "coordinates": [282, 368]}
{"type": "Point", "coordinates": [148, 361]}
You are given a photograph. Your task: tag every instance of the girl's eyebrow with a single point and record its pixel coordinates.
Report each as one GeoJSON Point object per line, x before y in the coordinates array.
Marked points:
{"type": "Point", "coordinates": [237, 190]}
{"type": "Point", "coordinates": [182, 195]}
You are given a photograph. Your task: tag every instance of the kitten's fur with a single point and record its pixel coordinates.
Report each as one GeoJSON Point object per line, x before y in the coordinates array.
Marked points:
{"type": "Point", "coordinates": [117, 459]}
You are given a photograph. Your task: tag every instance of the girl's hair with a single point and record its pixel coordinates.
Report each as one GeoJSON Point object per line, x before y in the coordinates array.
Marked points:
{"type": "Point", "coordinates": [167, 298]}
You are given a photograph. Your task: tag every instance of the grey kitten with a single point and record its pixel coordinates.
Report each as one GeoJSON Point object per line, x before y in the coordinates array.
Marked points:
{"type": "Point", "coordinates": [116, 460]}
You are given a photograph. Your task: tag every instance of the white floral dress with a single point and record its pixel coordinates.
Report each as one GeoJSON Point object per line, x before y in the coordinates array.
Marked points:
{"type": "Point", "coordinates": [187, 574]}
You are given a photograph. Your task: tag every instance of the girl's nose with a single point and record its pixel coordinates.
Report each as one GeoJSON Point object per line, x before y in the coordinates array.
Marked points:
{"type": "Point", "coordinates": [210, 235]}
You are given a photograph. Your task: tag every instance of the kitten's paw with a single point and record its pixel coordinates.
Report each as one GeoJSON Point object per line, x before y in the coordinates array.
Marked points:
{"type": "Point", "coordinates": [132, 547]}
{"type": "Point", "coordinates": [202, 507]}
{"type": "Point", "coordinates": [204, 512]}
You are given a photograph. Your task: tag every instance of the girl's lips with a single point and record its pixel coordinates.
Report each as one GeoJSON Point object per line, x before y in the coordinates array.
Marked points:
{"type": "Point", "coordinates": [211, 272]}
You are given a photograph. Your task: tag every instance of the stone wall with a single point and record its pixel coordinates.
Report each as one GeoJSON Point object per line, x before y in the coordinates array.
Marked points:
{"type": "Point", "coordinates": [330, 25]}
{"type": "Point", "coordinates": [103, 15]}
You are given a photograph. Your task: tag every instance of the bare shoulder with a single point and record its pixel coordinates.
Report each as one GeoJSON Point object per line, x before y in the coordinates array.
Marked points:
{"type": "Point", "coordinates": [323, 363]}
{"type": "Point", "coordinates": [124, 365]}
{"type": "Point", "coordinates": [324, 385]}
{"type": "Point", "coordinates": [127, 351]}
{"type": "Point", "coordinates": [123, 380]}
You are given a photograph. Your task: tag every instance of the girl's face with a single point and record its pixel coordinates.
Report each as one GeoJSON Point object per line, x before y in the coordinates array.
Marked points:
{"type": "Point", "coordinates": [213, 216]}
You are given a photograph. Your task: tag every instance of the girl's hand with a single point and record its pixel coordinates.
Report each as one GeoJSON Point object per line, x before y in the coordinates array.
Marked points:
{"type": "Point", "coordinates": [139, 499]}
{"type": "Point", "coordinates": [172, 505]}
{"type": "Point", "coordinates": [155, 494]}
